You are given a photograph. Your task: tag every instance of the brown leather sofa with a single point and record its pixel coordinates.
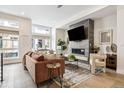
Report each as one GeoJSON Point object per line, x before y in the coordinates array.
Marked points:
{"type": "Point", "coordinates": [39, 71]}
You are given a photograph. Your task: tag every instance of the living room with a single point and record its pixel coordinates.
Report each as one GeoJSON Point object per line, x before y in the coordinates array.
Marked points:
{"type": "Point", "coordinates": [25, 34]}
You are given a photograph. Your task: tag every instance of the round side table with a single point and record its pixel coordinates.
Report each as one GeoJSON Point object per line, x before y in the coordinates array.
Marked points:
{"type": "Point", "coordinates": [51, 70]}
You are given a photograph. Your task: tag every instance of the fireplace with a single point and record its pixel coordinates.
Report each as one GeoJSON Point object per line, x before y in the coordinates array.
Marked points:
{"type": "Point", "coordinates": [78, 51]}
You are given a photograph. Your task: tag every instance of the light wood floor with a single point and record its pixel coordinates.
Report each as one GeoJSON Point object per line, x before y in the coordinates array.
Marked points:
{"type": "Point", "coordinates": [110, 79]}
{"type": "Point", "coordinates": [16, 77]}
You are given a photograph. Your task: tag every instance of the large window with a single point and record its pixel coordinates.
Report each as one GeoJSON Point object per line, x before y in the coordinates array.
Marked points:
{"type": "Point", "coordinates": [41, 37]}
{"type": "Point", "coordinates": [38, 43]}
{"type": "Point", "coordinates": [9, 44]}
{"type": "Point", "coordinates": [9, 23]}
{"type": "Point", "coordinates": [38, 29]}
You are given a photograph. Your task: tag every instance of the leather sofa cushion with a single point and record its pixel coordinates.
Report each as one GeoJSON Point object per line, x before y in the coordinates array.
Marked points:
{"type": "Point", "coordinates": [50, 56]}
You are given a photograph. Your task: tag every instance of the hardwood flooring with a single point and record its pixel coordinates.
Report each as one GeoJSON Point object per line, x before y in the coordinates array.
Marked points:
{"type": "Point", "coordinates": [110, 79]}
{"type": "Point", "coordinates": [16, 77]}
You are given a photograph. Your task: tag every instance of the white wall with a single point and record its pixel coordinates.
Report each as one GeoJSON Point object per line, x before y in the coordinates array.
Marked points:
{"type": "Point", "coordinates": [60, 34]}
{"type": "Point", "coordinates": [53, 38]}
{"type": "Point", "coordinates": [25, 36]}
{"type": "Point", "coordinates": [103, 24]}
{"type": "Point", "coordinates": [120, 39]}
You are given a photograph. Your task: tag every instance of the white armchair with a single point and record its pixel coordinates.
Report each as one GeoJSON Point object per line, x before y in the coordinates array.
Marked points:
{"type": "Point", "coordinates": [97, 60]}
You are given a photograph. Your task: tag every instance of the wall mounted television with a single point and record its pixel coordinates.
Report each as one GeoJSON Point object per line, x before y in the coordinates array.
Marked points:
{"type": "Point", "coordinates": [77, 34]}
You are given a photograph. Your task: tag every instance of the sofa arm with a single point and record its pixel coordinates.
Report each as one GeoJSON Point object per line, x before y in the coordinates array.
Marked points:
{"type": "Point", "coordinates": [41, 70]}
{"type": "Point", "coordinates": [30, 65]}
{"type": "Point", "coordinates": [38, 70]}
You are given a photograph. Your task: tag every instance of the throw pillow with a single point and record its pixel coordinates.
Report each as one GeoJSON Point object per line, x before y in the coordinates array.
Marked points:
{"type": "Point", "coordinates": [34, 56]}
{"type": "Point", "coordinates": [37, 57]}
{"type": "Point", "coordinates": [40, 58]}
{"type": "Point", "coordinates": [30, 54]}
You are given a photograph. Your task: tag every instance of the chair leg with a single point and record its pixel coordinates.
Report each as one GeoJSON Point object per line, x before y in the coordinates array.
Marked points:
{"type": "Point", "coordinates": [60, 81]}
{"type": "Point", "coordinates": [50, 77]}
{"type": "Point", "coordinates": [37, 85]}
{"type": "Point", "coordinates": [60, 76]}
{"type": "Point", "coordinates": [49, 83]}
{"type": "Point", "coordinates": [25, 68]}
{"type": "Point", "coordinates": [92, 70]}
{"type": "Point", "coordinates": [77, 63]}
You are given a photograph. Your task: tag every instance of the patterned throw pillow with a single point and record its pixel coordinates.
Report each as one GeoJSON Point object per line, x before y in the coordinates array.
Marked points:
{"type": "Point", "coordinates": [40, 58]}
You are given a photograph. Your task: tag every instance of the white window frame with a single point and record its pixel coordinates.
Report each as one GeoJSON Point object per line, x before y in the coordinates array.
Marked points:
{"type": "Point", "coordinates": [5, 49]}
{"type": "Point", "coordinates": [36, 35]}
{"type": "Point", "coordinates": [8, 23]}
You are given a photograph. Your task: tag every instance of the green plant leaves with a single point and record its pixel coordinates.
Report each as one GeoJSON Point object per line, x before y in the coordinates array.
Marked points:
{"type": "Point", "coordinates": [62, 44]}
{"type": "Point", "coordinates": [71, 57]}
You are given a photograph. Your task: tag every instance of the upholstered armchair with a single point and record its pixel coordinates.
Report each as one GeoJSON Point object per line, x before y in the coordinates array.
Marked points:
{"type": "Point", "coordinates": [97, 60]}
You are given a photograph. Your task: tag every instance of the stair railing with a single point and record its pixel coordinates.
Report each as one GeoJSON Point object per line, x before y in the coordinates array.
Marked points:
{"type": "Point", "coordinates": [1, 70]}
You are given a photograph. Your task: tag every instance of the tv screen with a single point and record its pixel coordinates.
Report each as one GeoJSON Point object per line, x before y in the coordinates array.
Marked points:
{"type": "Point", "coordinates": [77, 34]}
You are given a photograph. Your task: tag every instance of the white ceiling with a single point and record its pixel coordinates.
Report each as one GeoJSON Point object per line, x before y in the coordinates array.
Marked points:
{"type": "Point", "coordinates": [103, 12]}
{"type": "Point", "coordinates": [47, 15]}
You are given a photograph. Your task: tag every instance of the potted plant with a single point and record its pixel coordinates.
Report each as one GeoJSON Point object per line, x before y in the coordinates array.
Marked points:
{"type": "Point", "coordinates": [61, 45]}
{"type": "Point", "coordinates": [71, 58]}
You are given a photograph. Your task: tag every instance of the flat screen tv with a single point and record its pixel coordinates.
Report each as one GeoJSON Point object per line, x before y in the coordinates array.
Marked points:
{"type": "Point", "coordinates": [77, 34]}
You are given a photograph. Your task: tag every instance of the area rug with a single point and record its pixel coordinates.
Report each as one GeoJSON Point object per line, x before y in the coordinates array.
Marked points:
{"type": "Point", "coordinates": [73, 75]}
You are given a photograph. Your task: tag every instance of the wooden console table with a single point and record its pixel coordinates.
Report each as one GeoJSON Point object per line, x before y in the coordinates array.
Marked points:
{"type": "Point", "coordinates": [111, 61]}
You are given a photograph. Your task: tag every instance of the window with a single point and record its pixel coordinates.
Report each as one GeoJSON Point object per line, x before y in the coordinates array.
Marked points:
{"type": "Point", "coordinates": [41, 37]}
{"type": "Point", "coordinates": [11, 54]}
{"type": "Point", "coordinates": [40, 43]}
{"type": "Point", "coordinates": [37, 29]}
{"type": "Point", "coordinates": [9, 44]}
{"type": "Point", "coordinates": [9, 23]}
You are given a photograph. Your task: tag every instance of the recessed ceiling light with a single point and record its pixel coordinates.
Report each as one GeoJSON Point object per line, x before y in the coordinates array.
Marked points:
{"type": "Point", "coordinates": [59, 6]}
{"type": "Point", "coordinates": [22, 13]}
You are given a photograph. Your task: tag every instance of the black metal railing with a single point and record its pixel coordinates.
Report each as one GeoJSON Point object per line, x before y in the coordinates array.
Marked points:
{"type": "Point", "coordinates": [1, 67]}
